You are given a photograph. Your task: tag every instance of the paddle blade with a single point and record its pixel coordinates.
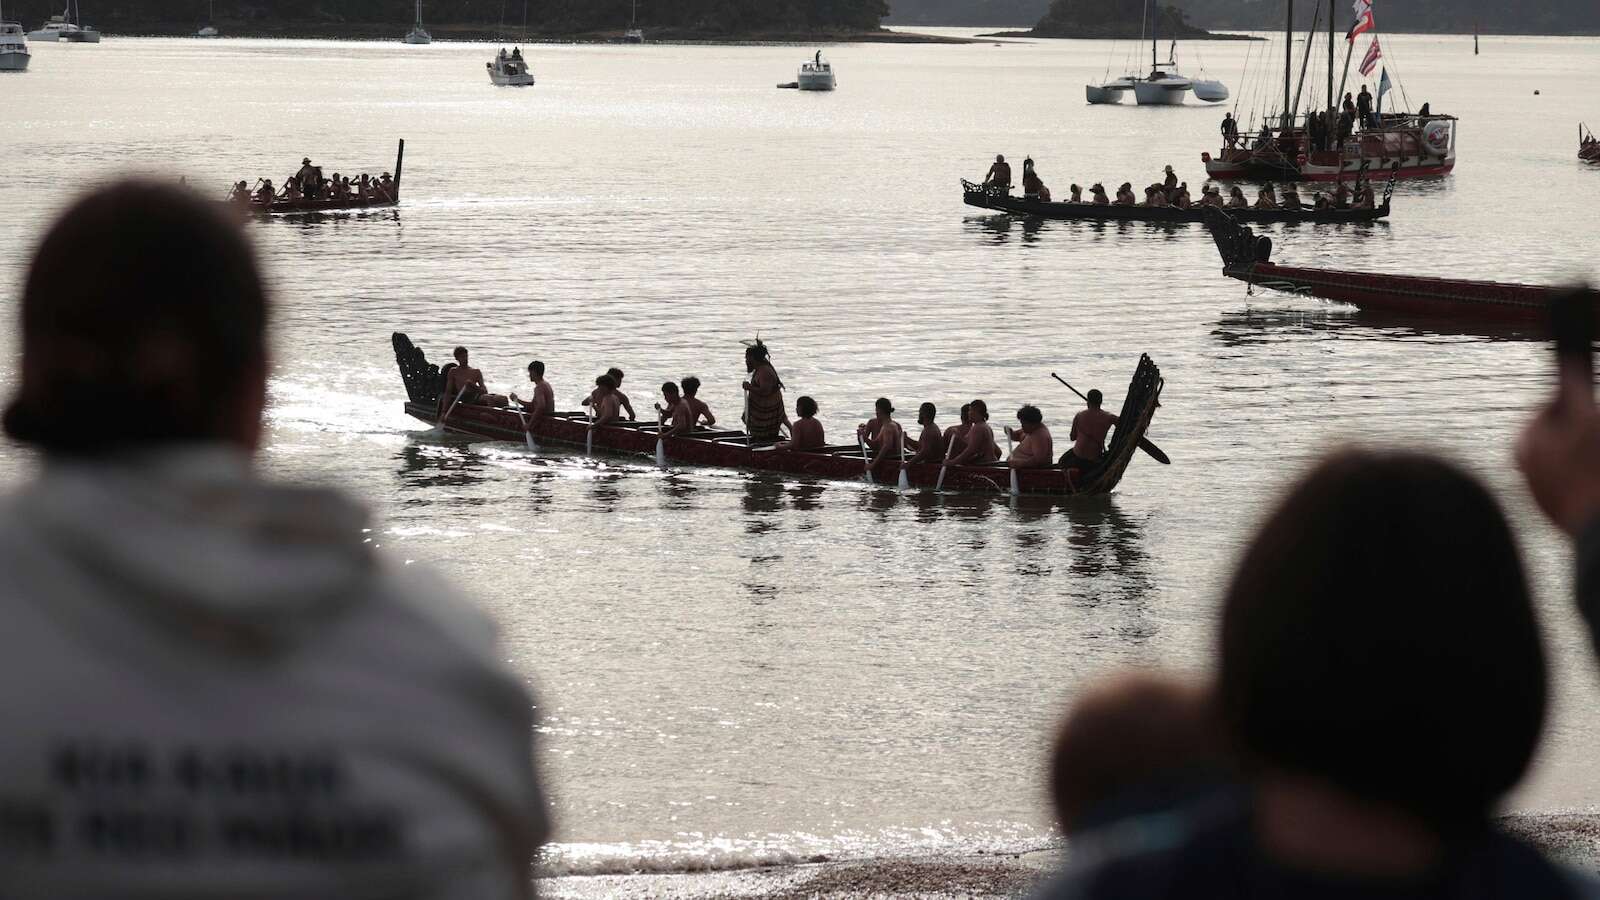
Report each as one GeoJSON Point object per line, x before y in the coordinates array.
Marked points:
{"type": "Point", "coordinates": [1014, 490]}
{"type": "Point", "coordinates": [661, 453]}
{"type": "Point", "coordinates": [905, 481]}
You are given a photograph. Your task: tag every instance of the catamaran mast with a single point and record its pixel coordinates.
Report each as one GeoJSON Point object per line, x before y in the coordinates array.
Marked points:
{"type": "Point", "coordinates": [1155, 28]}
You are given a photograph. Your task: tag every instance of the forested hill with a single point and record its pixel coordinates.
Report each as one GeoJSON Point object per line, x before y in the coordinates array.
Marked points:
{"type": "Point", "coordinates": [1452, 16]}
{"type": "Point", "coordinates": [1110, 19]}
{"type": "Point", "coordinates": [711, 17]}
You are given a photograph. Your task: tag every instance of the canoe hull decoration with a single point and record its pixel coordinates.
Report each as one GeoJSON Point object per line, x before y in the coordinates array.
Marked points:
{"type": "Point", "coordinates": [1248, 257]}
{"type": "Point", "coordinates": [990, 198]}
{"type": "Point", "coordinates": [729, 449]}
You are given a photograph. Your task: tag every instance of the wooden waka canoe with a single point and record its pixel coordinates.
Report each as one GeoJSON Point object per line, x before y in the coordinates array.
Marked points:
{"type": "Point", "coordinates": [989, 198]}
{"type": "Point", "coordinates": [331, 204]}
{"type": "Point", "coordinates": [732, 449]}
{"type": "Point", "coordinates": [1248, 257]}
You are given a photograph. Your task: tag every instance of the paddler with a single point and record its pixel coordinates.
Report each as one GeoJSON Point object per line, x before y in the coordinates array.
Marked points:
{"type": "Point", "coordinates": [929, 445]}
{"type": "Point", "coordinates": [999, 174]}
{"type": "Point", "coordinates": [615, 375]}
{"type": "Point", "coordinates": [1089, 429]}
{"type": "Point", "coordinates": [464, 383]}
{"type": "Point", "coordinates": [386, 184]}
{"type": "Point", "coordinates": [606, 407]}
{"type": "Point", "coordinates": [543, 401]}
{"type": "Point", "coordinates": [1098, 192]}
{"type": "Point", "coordinates": [308, 176]}
{"type": "Point", "coordinates": [1034, 449]}
{"type": "Point", "coordinates": [883, 434]}
{"type": "Point", "coordinates": [702, 412]}
{"type": "Point", "coordinates": [764, 411]}
{"type": "Point", "coordinates": [978, 448]}
{"type": "Point", "coordinates": [1267, 199]}
{"type": "Point", "coordinates": [806, 432]}
{"type": "Point", "coordinates": [676, 414]}
{"type": "Point", "coordinates": [265, 194]}
{"type": "Point", "coordinates": [1077, 194]}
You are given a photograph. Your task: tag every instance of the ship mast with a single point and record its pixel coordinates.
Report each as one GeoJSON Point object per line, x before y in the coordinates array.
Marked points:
{"type": "Point", "coordinates": [1288, 53]}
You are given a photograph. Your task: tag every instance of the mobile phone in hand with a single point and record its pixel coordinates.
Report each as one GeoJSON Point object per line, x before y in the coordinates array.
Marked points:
{"type": "Point", "coordinates": [1572, 314]}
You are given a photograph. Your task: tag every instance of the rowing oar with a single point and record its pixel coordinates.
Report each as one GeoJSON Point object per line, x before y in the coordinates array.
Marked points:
{"type": "Point", "coordinates": [452, 408]}
{"type": "Point", "coordinates": [588, 436]}
{"type": "Point", "coordinates": [866, 461]}
{"type": "Point", "coordinates": [949, 445]}
{"type": "Point", "coordinates": [1144, 443]}
{"type": "Point", "coordinates": [905, 480]}
{"type": "Point", "coordinates": [1013, 469]}
{"type": "Point", "coordinates": [527, 431]}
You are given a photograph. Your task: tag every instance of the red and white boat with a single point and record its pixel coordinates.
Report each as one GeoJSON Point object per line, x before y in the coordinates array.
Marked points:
{"type": "Point", "coordinates": [1411, 145]}
{"type": "Point", "coordinates": [735, 450]}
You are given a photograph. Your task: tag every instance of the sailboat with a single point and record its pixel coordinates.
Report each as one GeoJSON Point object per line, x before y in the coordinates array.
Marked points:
{"type": "Point", "coordinates": [634, 34]}
{"type": "Point", "coordinates": [14, 54]}
{"type": "Point", "coordinates": [66, 29]}
{"type": "Point", "coordinates": [1407, 145]}
{"type": "Point", "coordinates": [418, 34]}
{"type": "Point", "coordinates": [210, 28]}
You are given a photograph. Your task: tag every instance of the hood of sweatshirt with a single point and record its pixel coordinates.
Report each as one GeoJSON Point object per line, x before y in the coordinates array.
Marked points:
{"type": "Point", "coordinates": [197, 537]}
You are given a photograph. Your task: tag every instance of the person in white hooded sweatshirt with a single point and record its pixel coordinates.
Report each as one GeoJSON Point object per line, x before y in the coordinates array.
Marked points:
{"type": "Point", "coordinates": [210, 685]}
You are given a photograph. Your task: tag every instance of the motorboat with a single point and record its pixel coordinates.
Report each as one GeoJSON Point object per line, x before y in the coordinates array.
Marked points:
{"type": "Point", "coordinates": [1161, 88]}
{"type": "Point", "coordinates": [509, 69]}
{"type": "Point", "coordinates": [418, 34]}
{"type": "Point", "coordinates": [816, 75]}
{"type": "Point", "coordinates": [14, 54]}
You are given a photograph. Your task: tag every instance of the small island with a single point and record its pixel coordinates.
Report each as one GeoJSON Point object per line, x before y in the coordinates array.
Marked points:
{"type": "Point", "coordinates": [1115, 19]}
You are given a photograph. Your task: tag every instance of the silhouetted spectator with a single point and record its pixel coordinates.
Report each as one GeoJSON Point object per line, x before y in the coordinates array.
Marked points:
{"type": "Point", "coordinates": [211, 685]}
{"type": "Point", "coordinates": [1364, 107]}
{"type": "Point", "coordinates": [1383, 680]}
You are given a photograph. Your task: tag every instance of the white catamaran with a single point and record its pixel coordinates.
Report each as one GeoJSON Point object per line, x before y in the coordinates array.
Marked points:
{"type": "Point", "coordinates": [1164, 85]}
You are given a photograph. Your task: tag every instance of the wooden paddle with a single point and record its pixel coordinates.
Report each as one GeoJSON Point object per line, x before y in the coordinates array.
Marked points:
{"type": "Point", "coordinates": [866, 461]}
{"type": "Point", "coordinates": [905, 480]}
{"type": "Point", "coordinates": [949, 445]}
{"type": "Point", "coordinates": [1013, 469]}
{"type": "Point", "coordinates": [527, 432]}
{"type": "Point", "coordinates": [459, 394]}
{"type": "Point", "coordinates": [1144, 443]}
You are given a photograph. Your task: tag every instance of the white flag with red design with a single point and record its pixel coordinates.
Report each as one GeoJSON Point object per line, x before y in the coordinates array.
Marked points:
{"type": "Point", "coordinates": [1363, 22]}
{"type": "Point", "coordinates": [1371, 60]}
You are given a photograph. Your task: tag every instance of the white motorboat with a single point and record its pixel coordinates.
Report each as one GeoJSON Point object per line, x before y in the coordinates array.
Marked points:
{"type": "Point", "coordinates": [509, 69]}
{"type": "Point", "coordinates": [13, 47]}
{"type": "Point", "coordinates": [1161, 88]}
{"type": "Point", "coordinates": [418, 34]}
{"type": "Point", "coordinates": [816, 75]}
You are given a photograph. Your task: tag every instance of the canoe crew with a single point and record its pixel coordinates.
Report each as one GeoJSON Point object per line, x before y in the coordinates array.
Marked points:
{"type": "Point", "coordinates": [1210, 196]}
{"type": "Point", "coordinates": [615, 374]}
{"type": "Point", "coordinates": [607, 409]}
{"type": "Point", "coordinates": [806, 432]}
{"type": "Point", "coordinates": [1089, 430]}
{"type": "Point", "coordinates": [1180, 198]}
{"type": "Point", "coordinates": [1077, 194]}
{"type": "Point", "coordinates": [364, 186]}
{"type": "Point", "coordinates": [291, 189]}
{"type": "Point", "coordinates": [1236, 199]}
{"type": "Point", "coordinates": [1170, 182]}
{"type": "Point", "coordinates": [265, 194]}
{"type": "Point", "coordinates": [1032, 187]}
{"type": "Point", "coordinates": [676, 414]}
{"type": "Point", "coordinates": [999, 174]}
{"type": "Point", "coordinates": [1098, 191]}
{"type": "Point", "coordinates": [1268, 198]}
{"type": "Point", "coordinates": [1155, 196]}
{"type": "Point", "coordinates": [1341, 196]}
{"type": "Point", "coordinates": [462, 381]}
{"type": "Point", "coordinates": [883, 434]}
{"type": "Point", "coordinates": [1034, 449]}
{"type": "Point", "coordinates": [386, 184]}
{"type": "Point", "coordinates": [765, 411]}
{"type": "Point", "coordinates": [543, 401]}
{"type": "Point", "coordinates": [955, 436]}
{"type": "Point", "coordinates": [929, 445]}
{"type": "Point", "coordinates": [1125, 194]}
{"type": "Point", "coordinates": [240, 193]}
{"type": "Point", "coordinates": [308, 176]}
{"type": "Point", "coordinates": [1291, 198]}
{"type": "Point", "coordinates": [1230, 130]}
{"type": "Point", "coordinates": [702, 412]}
{"type": "Point", "coordinates": [1364, 197]}
{"type": "Point", "coordinates": [979, 448]}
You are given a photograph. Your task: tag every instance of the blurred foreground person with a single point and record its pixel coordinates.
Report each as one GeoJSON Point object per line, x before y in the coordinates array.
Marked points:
{"type": "Point", "coordinates": [210, 685]}
{"type": "Point", "coordinates": [1382, 680]}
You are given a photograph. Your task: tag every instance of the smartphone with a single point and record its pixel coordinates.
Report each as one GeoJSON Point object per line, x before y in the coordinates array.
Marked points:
{"type": "Point", "coordinates": [1572, 315]}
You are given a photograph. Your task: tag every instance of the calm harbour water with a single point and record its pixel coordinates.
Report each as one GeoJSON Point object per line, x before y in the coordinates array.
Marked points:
{"type": "Point", "coordinates": [733, 668]}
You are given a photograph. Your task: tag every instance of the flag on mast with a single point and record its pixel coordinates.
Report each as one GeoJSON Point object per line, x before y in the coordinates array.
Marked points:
{"type": "Point", "coordinates": [1363, 21]}
{"type": "Point", "coordinates": [1383, 88]}
{"type": "Point", "coordinates": [1370, 61]}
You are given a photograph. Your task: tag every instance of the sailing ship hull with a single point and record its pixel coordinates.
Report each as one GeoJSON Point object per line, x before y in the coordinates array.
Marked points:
{"type": "Point", "coordinates": [732, 450]}
{"type": "Point", "coordinates": [1422, 150]}
{"type": "Point", "coordinates": [976, 195]}
{"type": "Point", "coordinates": [1247, 257]}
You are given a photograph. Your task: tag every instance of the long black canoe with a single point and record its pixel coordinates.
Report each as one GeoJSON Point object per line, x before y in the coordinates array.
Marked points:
{"type": "Point", "coordinates": [992, 198]}
{"type": "Point", "coordinates": [379, 200]}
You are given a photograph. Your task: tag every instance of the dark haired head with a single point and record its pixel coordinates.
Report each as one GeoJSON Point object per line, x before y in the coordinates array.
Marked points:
{"type": "Point", "coordinates": [1030, 415]}
{"type": "Point", "coordinates": [980, 410]}
{"type": "Point", "coordinates": [926, 413]}
{"type": "Point", "coordinates": [966, 413]}
{"type": "Point", "coordinates": [460, 353]}
{"type": "Point", "coordinates": [883, 406]}
{"type": "Point", "coordinates": [1378, 635]}
{"type": "Point", "coordinates": [691, 386]}
{"type": "Point", "coordinates": [805, 406]}
{"type": "Point", "coordinates": [148, 300]}
{"type": "Point", "coordinates": [616, 375]}
{"type": "Point", "coordinates": [536, 368]}
{"type": "Point", "coordinates": [669, 388]}
{"type": "Point", "coordinates": [1094, 398]}
{"type": "Point", "coordinates": [606, 381]}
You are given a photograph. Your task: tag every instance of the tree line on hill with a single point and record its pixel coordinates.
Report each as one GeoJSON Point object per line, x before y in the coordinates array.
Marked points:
{"type": "Point", "coordinates": [547, 16]}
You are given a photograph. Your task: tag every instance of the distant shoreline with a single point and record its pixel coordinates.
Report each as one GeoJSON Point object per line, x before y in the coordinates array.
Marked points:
{"type": "Point", "coordinates": [1209, 36]}
{"type": "Point", "coordinates": [446, 32]}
